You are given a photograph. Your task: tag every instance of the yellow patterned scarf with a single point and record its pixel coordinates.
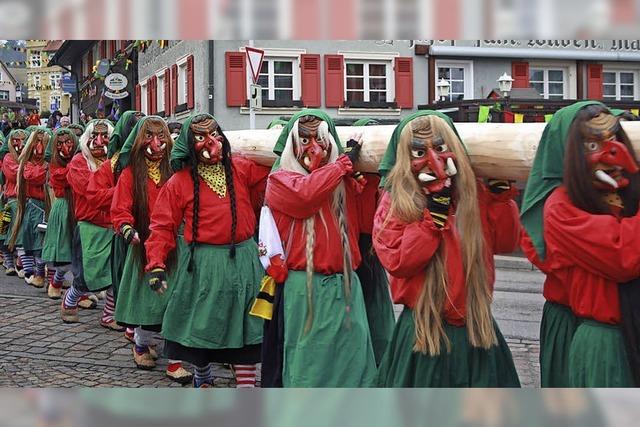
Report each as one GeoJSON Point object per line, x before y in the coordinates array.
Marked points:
{"type": "Point", "coordinates": [153, 170]}
{"type": "Point", "coordinates": [214, 177]}
{"type": "Point", "coordinates": [114, 161]}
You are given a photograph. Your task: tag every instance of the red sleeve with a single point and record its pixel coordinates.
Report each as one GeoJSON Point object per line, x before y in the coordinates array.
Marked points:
{"type": "Point", "coordinates": [503, 218]}
{"type": "Point", "coordinates": [301, 196]}
{"type": "Point", "coordinates": [600, 244]}
{"type": "Point", "coordinates": [404, 249]}
{"type": "Point", "coordinates": [35, 174]}
{"type": "Point", "coordinates": [122, 204]}
{"type": "Point", "coordinates": [257, 182]}
{"type": "Point", "coordinates": [10, 170]}
{"type": "Point", "coordinates": [164, 224]}
{"type": "Point", "coordinates": [79, 174]}
{"type": "Point", "coordinates": [58, 177]}
{"type": "Point", "coordinates": [101, 187]}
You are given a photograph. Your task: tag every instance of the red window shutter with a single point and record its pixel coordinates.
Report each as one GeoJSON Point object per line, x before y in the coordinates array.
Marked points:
{"type": "Point", "coordinates": [333, 80]}
{"type": "Point", "coordinates": [310, 70]}
{"type": "Point", "coordinates": [138, 97]}
{"type": "Point", "coordinates": [594, 81]}
{"type": "Point", "coordinates": [190, 83]}
{"type": "Point", "coordinates": [149, 91]}
{"type": "Point", "coordinates": [112, 48]}
{"type": "Point", "coordinates": [103, 49]}
{"type": "Point", "coordinates": [90, 62]}
{"type": "Point", "coordinates": [520, 73]}
{"type": "Point", "coordinates": [154, 99]}
{"type": "Point", "coordinates": [236, 78]}
{"type": "Point", "coordinates": [404, 82]}
{"type": "Point", "coordinates": [174, 86]}
{"type": "Point", "coordinates": [167, 92]}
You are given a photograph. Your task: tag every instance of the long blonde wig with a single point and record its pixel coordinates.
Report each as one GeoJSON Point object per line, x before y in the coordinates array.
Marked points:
{"type": "Point", "coordinates": [290, 162]}
{"type": "Point", "coordinates": [407, 204]}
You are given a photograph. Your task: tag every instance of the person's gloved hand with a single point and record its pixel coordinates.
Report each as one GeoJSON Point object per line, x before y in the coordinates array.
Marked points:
{"type": "Point", "coordinates": [158, 280]}
{"type": "Point", "coordinates": [438, 205]}
{"type": "Point", "coordinates": [130, 234]}
{"type": "Point", "coordinates": [277, 269]}
{"type": "Point", "coordinates": [498, 186]}
{"type": "Point", "coordinates": [354, 145]}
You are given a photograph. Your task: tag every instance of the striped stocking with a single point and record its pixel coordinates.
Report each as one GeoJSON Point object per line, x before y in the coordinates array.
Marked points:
{"type": "Point", "coordinates": [245, 376]}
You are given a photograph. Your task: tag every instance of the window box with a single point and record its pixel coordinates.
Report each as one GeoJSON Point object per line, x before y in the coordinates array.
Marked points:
{"type": "Point", "coordinates": [181, 107]}
{"type": "Point", "coordinates": [279, 103]}
{"type": "Point", "coordinates": [377, 105]}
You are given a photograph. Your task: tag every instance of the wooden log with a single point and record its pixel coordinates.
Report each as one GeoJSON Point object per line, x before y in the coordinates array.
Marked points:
{"type": "Point", "coordinates": [497, 150]}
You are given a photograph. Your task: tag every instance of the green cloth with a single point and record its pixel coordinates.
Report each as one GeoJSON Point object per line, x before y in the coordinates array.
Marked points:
{"type": "Point", "coordinates": [76, 126]}
{"type": "Point", "coordinates": [125, 150]}
{"type": "Point", "coordinates": [182, 151]}
{"type": "Point", "coordinates": [547, 171]}
{"type": "Point", "coordinates": [49, 150]}
{"type": "Point", "coordinates": [389, 158]}
{"type": "Point", "coordinates": [276, 122]}
{"type": "Point", "coordinates": [4, 149]}
{"type": "Point", "coordinates": [556, 333]}
{"type": "Point", "coordinates": [57, 239]}
{"type": "Point", "coordinates": [365, 121]}
{"type": "Point", "coordinates": [12, 206]}
{"type": "Point", "coordinates": [118, 257]}
{"type": "Point", "coordinates": [548, 117]}
{"type": "Point", "coordinates": [483, 113]}
{"type": "Point", "coordinates": [96, 255]}
{"type": "Point", "coordinates": [337, 350]}
{"type": "Point", "coordinates": [29, 237]}
{"type": "Point", "coordinates": [209, 306]}
{"type": "Point", "coordinates": [598, 358]}
{"type": "Point", "coordinates": [118, 138]}
{"type": "Point", "coordinates": [464, 366]}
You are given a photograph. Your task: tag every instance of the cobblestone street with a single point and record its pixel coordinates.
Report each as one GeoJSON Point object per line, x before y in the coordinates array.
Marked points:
{"type": "Point", "coordinates": [38, 350]}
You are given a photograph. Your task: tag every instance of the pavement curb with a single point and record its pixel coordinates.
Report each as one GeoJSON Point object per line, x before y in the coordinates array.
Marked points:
{"type": "Point", "coordinates": [513, 263]}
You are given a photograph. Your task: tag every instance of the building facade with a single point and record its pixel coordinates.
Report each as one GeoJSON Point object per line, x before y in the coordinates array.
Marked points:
{"type": "Point", "coordinates": [43, 80]}
{"type": "Point", "coordinates": [9, 87]}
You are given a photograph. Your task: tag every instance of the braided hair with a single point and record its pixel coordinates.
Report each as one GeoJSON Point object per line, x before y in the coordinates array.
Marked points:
{"type": "Point", "coordinates": [228, 170]}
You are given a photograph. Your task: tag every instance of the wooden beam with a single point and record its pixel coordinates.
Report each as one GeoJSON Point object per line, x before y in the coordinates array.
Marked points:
{"type": "Point", "coordinates": [497, 150]}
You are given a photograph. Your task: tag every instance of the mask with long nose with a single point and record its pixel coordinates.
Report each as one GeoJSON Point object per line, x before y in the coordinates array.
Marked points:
{"type": "Point", "coordinates": [207, 141]}
{"type": "Point", "coordinates": [17, 141]}
{"type": "Point", "coordinates": [432, 163]}
{"type": "Point", "coordinates": [608, 158]}
{"type": "Point", "coordinates": [311, 150]}
{"type": "Point", "coordinates": [99, 141]}
{"type": "Point", "coordinates": [156, 139]}
{"type": "Point", "coordinates": [37, 155]}
{"type": "Point", "coordinates": [64, 148]}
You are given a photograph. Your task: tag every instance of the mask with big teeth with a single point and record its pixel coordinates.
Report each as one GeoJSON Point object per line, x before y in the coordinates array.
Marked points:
{"type": "Point", "coordinates": [99, 141]}
{"type": "Point", "coordinates": [155, 139]}
{"type": "Point", "coordinates": [311, 150]}
{"type": "Point", "coordinates": [608, 158]}
{"type": "Point", "coordinates": [64, 147]}
{"type": "Point", "coordinates": [17, 141]}
{"type": "Point", "coordinates": [40, 139]}
{"type": "Point", "coordinates": [432, 163]}
{"type": "Point", "coordinates": [207, 141]}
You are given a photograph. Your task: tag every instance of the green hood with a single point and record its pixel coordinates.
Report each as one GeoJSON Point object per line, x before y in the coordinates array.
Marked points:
{"type": "Point", "coordinates": [49, 151]}
{"type": "Point", "coordinates": [276, 122]}
{"type": "Point", "coordinates": [118, 138]}
{"type": "Point", "coordinates": [547, 171]}
{"type": "Point", "coordinates": [365, 121]}
{"type": "Point", "coordinates": [389, 158]}
{"type": "Point", "coordinates": [4, 149]}
{"type": "Point", "coordinates": [181, 152]}
{"type": "Point", "coordinates": [125, 151]}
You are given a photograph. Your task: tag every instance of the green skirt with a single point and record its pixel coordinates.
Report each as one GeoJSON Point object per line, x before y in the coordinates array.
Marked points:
{"type": "Point", "coordinates": [377, 300]}
{"type": "Point", "coordinates": [556, 333]}
{"type": "Point", "coordinates": [118, 256]}
{"type": "Point", "coordinates": [337, 350]}
{"type": "Point", "coordinates": [209, 306]}
{"type": "Point", "coordinates": [463, 366]}
{"type": "Point", "coordinates": [12, 204]}
{"type": "Point", "coordinates": [96, 255]}
{"type": "Point", "coordinates": [597, 357]}
{"type": "Point", "coordinates": [29, 237]}
{"type": "Point", "coordinates": [57, 239]}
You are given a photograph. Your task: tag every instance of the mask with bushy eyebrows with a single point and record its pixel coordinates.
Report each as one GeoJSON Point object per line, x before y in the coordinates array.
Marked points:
{"type": "Point", "coordinates": [311, 149]}
{"type": "Point", "coordinates": [64, 147]}
{"type": "Point", "coordinates": [207, 140]}
{"type": "Point", "coordinates": [99, 140]}
{"type": "Point", "coordinates": [154, 137]}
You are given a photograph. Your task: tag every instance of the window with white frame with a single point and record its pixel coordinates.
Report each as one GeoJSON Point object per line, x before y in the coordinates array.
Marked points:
{"type": "Point", "coordinates": [54, 80]}
{"type": "Point", "coordinates": [619, 85]}
{"type": "Point", "coordinates": [182, 82]}
{"type": "Point", "coordinates": [36, 59]}
{"type": "Point", "coordinates": [4, 95]}
{"type": "Point", "coordinates": [549, 82]}
{"type": "Point", "coordinates": [460, 78]}
{"type": "Point", "coordinates": [1, 76]}
{"type": "Point", "coordinates": [368, 81]}
{"type": "Point", "coordinates": [54, 102]}
{"type": "Point", "coordinates": [38, 102]}
{"type": "Point", "coordinates": [278, 79]}
{"type": "Point", "coordinates": [160, 91]}
{"type": "Point", "coordinates": [144, 87]}
{"type": "Point", "coordinates": [36, 81]}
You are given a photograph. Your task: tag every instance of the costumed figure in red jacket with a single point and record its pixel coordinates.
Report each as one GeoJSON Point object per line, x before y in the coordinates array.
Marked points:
{"type": "Point", "coordinates": [33, 203]}
{"type": "Point", "coordinates": [9, 154]}
{"type": "Point", "coordinates": [325, 337]}
{"type": "Point", "coordinates": [436, 230]}
{"type": "Point", "coordinates": [218, 275]}
{"type": "Point", "coordinates": [93, 235]}
{"type": "Point", "coordinates": [581, 216]}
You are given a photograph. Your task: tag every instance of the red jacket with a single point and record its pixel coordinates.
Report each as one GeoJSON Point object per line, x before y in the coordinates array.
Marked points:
{"type": "Point", "coordinates": [58, 179]}
{"type": "Point", "coordinates": [87, 208]}
{"type": "Point", "coordinates": [175, 203]}
{"type": "Point", "coordinates": [405, 249]}
{"type": "Point", "coordinates": [294, 197]}
{"type": "Point", "coordinates": [122, 204]}
{"type": "Point", "coordinates": [101, 186]}
{"type": "Point", "coordinates": [10, 171]}
{"type": "Point", "coordinates": [35, 175]}
{"type": "Point", "coordinates": [591, 254]}
{"type": "Point", "coordinates": [368, 202]}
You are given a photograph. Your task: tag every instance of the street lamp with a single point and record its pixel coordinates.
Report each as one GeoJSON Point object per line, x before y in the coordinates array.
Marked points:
{"type": "Point", "coordinates": [442, 89]}
{"type": "Point", "coordinates": [504, 83]}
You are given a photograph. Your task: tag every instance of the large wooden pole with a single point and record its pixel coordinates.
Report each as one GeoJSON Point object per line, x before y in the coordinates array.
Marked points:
{"type": "Point", "coordinates": [497, 150]}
